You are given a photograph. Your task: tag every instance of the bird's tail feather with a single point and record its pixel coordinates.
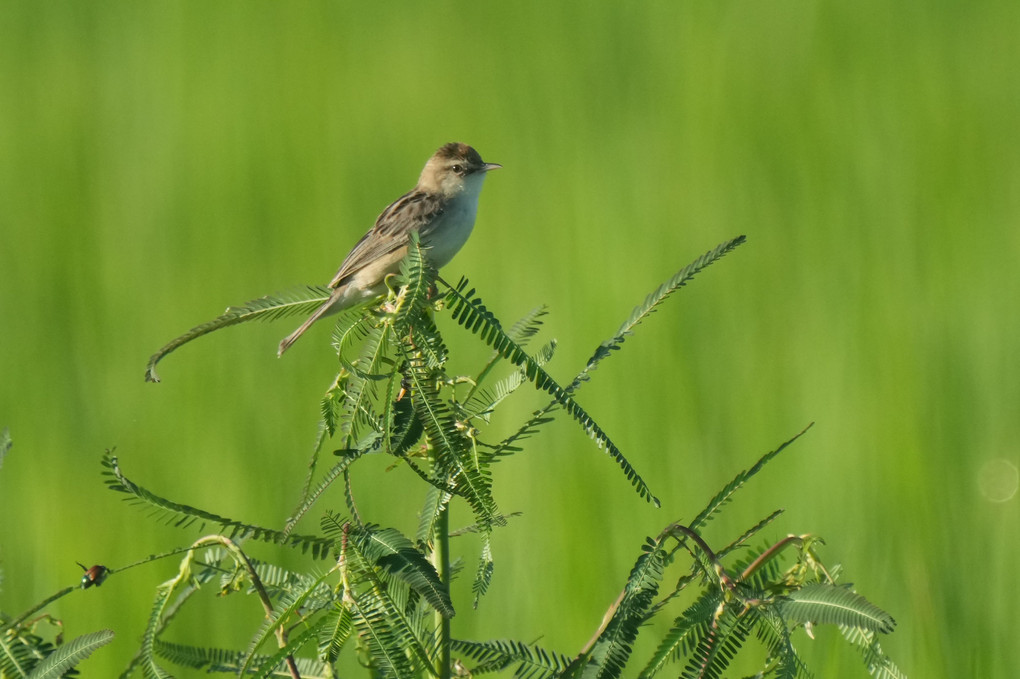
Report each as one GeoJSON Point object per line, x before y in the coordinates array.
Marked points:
{"type": "Point", "coordinates": [293, 337]}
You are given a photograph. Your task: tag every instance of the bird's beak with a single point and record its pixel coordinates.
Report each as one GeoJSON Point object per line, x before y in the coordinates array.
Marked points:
{"type": "Point", "coordinates": [491, 166]}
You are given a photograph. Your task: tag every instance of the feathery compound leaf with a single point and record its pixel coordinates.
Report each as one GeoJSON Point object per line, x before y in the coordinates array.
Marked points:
{"type": "Point", "coordinates": [351, 326]}
{"type": "Point", "coordinates": [612, 649]}
{"type": "Point", "coordinates": [651, 303]}
{"type": "Point", "coordinates": [403, 429]}
{"type": "Point", "coordinates": [397, 556]}
{"type": "Point", "coordinates": [147, 653]}
{"type": "Point", "coordinates": [182, 516]}
{"type": "Point", "coordinates": [298, 301]}
{"type": "Point", "coordinates": [376, 630]}
{"type": "Point", "coordinates": [393, 637]}
{"type": "Point", "coordinates": [773, 631]}
{"type": "Point", "coordinates": [486, 565]}
{"type": "Point", "coordinates": [225, 660]}
{"type": "Point", "coordinates": [197, 657]}
{"type": "Point", "coordinates": [16, 656]}
{"type": "Point", "coordinates": [748, 534]}
{"type": "Point", "coordinates": [361, 386]}
{"type": "Point", "coordinates": [468, 311]}
{"type": "Point", "coordinates": [481, 402]}
{"type": "Point", "coordinates": [70, 654]}
{"type": "Point", "coordinates": [822, 603]}
{"type": "Point", "coordinates": [436, 501]}
{"type": "Point", "coordinates": [335, 632]}
{"type": "Point", "coordinates": [686, 633]}
{"type": "Point", "coordinates": [724, 495]}
{"type": "Point", "coordinates": [542, 416]}
{"type": "Point", "coordinates": [497, 655]}
{"type": "Point", "coordinates": [879, 664]}
{"type": "Point", "coordinates": [332, 405]}
{"type": "Point", "coordinates": [276, 664]}
{"type": "Point", "coordinates": [417, 279]}
{"type": "Point", "coordinates": [385, 610]}
{"type": "Point", "coordinates": [313, 495]}
{"type": "Point", "coordinates": [291, 603]}
{"type": "Point", "coordinates": [456, 466]}
{"type": "Point", "coordinates": [163, 612]}
{"type": "Point", "coordinates": [718, 648]}
{"type": "Point", "coordinates": [521, 332]}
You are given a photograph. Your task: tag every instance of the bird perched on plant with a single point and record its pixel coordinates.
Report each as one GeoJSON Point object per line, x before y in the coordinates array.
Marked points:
{"type": "Point", "coordinates": [441, 208]}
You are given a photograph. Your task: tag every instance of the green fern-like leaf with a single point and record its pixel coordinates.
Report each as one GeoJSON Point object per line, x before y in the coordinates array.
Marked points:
{"type": "Point", "coordinates": [469, 311]}
{"type": "Point", "coordinates": [298, 301]}
{"type": "Point", "coordinates": [544, 415]}
{"type": "Point", "coordinates": [68, 655]}
{"type": "Point", "coordinates": [726, 494]}
{"type": "Point", "coordinates": [376, 630]}
{"type": "Point", "coordinates": [520, 332]}
{"type": "Point", "coordinates": [311, 496]}
{"type": "Point", "coordinates": [228, 661]}
{"type": "Point", "coordinates": [182, 516]}
{"type": "Point", "coordinates": [405, 429]}
{"type": "Point", "coordinates": [474, 528]}
{"type": "Point", "coordinates": [382, 610]}
{"type": "Point", "coordinates": [822, 603]}
{"type": "Point", "coordinates": [275, 665]}
{"type": "Point", "coordinates": [611, 651]}
{"type": "Point", "coordinates": [436, 501]}
{"type": "Point", "coordinates": [351, 326]}
{"type": "Point", "coordinates": [685, 634]}
{"type": "Point", "coordinates": [397, 556]}
{"type": "Point", "coordinates": [360, 391]}
{"type": "Point", "coordinates": [532, 662]}
{"type": "Point", "coordinates": [163, 612]}
{"type": "Point", "coordinates": [417, 280]}
{"type": "Point", "coordinates": [147, 653]}
{"type": "Point", "coordinates": [878, 663]}
{"type": "Point", "coordinates": [335, 631]}
{"type": "Point", "coordinates": [17, 655]}
{"type": "Point", "coordinates": [292, 602]}
{"type": "Point", "coordinates": [333, 402]}
{"type": "Point", "coordinates": [277, 581]}
{"type": "Point", "coordinates": [773, 631]}
{"type": "Point", "coordinates": [198, 657]}
{"type": "Point", "coordinates": [649, 306]}
{"type": "Point", "coordinates": [486, 565]}
{"type": "Point", "coordinates": [742, 539]}
{"type": "Point", "coordinates": [525, 328]}
{"type": "Point", "coordinates": [481, 402]}
{"type": "Point", "coordinates": [395, 641]}
{"type": "Point", "coordinates": [717, 649]}
{"type": "Point", "coordinates": [343, 399]}
{"type": "Point", "coordinates": [456, 467]}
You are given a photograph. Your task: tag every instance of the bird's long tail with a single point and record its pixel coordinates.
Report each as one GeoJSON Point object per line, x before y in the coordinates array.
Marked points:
{"type": "Point", "coordinates": [326, 308]}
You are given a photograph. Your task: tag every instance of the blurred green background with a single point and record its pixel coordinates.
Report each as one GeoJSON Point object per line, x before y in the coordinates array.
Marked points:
{"type": "Point", "coordinates": [159, 161]}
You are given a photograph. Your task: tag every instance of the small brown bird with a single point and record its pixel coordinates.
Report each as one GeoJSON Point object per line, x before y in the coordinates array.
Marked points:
{"type": "Point", "coordinates": [441, 208]}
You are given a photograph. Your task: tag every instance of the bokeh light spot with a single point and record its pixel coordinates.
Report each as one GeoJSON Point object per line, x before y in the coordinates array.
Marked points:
{"type": "Point", "coordinates": [998, 480]}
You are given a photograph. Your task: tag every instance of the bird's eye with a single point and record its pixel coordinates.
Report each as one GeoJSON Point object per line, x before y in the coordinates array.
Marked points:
{"type": "Point", "coordinates": [459, 169]}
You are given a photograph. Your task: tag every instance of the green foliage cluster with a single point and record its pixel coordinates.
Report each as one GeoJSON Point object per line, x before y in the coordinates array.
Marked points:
{"type": "Point", "coordinates": [387, 595]}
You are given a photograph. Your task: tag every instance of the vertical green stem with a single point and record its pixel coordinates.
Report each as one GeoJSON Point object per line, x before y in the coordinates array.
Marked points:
{"type": "Point", "coordinates": [441, 560]}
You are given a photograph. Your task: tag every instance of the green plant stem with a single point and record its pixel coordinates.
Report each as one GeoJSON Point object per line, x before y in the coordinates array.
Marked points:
{"type": "Point", "coordinates": [441, 560]}
{"type": "Point", "coordinates": [38, 607]}
{"type": "Point", "coordinates": [267, 604]}
{"type": "Point", "coordinates": [769, 553]}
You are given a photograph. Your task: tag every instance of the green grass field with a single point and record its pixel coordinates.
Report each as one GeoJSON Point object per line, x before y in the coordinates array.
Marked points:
{"type": "Point", "coordinates": [160, 161]}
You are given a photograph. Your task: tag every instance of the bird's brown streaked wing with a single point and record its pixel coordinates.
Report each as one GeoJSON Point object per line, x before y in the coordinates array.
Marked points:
{"type": "Point", "coordinates": [408, 213]}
